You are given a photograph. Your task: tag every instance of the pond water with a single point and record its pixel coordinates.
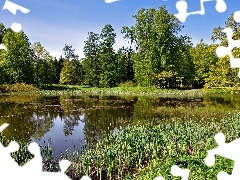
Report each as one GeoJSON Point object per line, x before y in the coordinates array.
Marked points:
{"type": "Point", "coordinates": [69, 123]}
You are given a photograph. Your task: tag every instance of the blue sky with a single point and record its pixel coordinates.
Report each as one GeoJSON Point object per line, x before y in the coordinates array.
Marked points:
{"type": "Point", "coordinates": [55, 23]}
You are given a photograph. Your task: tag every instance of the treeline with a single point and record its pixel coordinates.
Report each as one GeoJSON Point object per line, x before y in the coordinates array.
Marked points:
{"type": "Point", "coordinates": [156, 55]}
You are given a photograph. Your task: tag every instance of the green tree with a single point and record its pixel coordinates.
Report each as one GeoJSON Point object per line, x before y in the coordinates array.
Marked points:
{"type": "Point", "coordinates": [2, 32]}
{"type": "Point", "coordinates": [66, 73]}
{"type": "Point", "coordinates": [44, 65]}
{"type": "Point", "coordinates": [108, 57]}
{"type": "Point", "coordinates": [204, 57]}
{"type": "Point", "coordinates": [18, 59]}
{"type": "Point", "coordinates": [158, 46]}
{"type": "Point", "coordinates": [72, 71]}
{"type": "Point", "coordinates": [124, 65]}
{"type": "Point", "coordinates": [92, 64]}
{"type": "Point", "coordinates": [222, 75]}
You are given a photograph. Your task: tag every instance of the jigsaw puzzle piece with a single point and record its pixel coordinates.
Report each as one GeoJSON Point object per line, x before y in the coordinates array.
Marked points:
{"type": "Point", "coordinates": [2, 46]}
{"type": "Point", "coordinates": [227, 150]}
{"type": "Point", "coordinates": [159, 178]}
{"type": "Point", "coordinates": [221, 51]}
{"type": "Point", "coordinates": [88, 178]}
{"type": "Point", "coordinates": [182, 7]}
{"type": "Point", "coordinates": [7, 169]}
{"type": "Point", "coordinates": [223, 176]}
{"type": "Point", "coordinates": [236, 16]}
{"type": "Point", "coordinates": [64, 164]}
{"type": "Point", "coordinates": [35, 164]}
{"type": "Point", "coordinates": [221, 6]}
{"type": "Point", "coordinates": [5, 125]}
{"type": "Point", "coordinates": [12, 7]}
{"type": "Point", "coordinates": [176, 171]}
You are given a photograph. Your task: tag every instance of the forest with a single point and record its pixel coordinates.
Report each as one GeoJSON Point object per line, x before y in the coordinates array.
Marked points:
{"type": "Point", "coordinates": [156, 56]}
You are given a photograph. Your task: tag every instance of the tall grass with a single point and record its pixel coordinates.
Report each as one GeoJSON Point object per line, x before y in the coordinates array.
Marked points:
{"type": "Point", "coordinates": [138, 147]}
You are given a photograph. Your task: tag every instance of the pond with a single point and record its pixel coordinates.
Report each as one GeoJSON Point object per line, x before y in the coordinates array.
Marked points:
{"type": "Point", "coordinates": [67, 123]}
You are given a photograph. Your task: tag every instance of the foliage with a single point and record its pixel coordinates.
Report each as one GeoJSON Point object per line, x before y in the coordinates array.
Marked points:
{"type": "Point", "coordinates": [18, 87]}
{"type": "Point", "coordinates": [127, 84]}
{"type": "Point", "coordinates": [109, 61]}
{"type": "Point", "coordinates": [156, 55]}
{"type": "Point", "coordinates": [18, 60]}
{"type": "Point", "coordinates": [159, 48]}
{"type": "Point", "coordinates": [92, 64]}
{"type": "Point", "coordinates": [137, 147]}
{"type": "Point", "coordinates": [72, 71]}
{"type": "Point", "coordinates": [44, 65]}
{"type": "Point", "coordinates": [204, 58]}
{"type": "Point", "coordinates": [222, 75]}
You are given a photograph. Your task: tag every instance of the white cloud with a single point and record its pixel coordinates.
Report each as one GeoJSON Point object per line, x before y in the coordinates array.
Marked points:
{"type": "Point", "coordinates": [111, 1]}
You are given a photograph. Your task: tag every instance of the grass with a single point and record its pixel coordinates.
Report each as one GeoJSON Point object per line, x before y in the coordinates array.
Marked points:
{"type": "Point", "coordinates": [56, 89]}
{"type": "Point", "coordinates": [145, 152]}
{"type": "Point", "coordinates": [50, 90]}
{"type": "Point", "coordinates": [75, 90]}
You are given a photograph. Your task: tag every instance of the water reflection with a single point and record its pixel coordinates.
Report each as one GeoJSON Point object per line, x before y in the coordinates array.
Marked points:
{"type": "Point", "coordinates": [66, 122]}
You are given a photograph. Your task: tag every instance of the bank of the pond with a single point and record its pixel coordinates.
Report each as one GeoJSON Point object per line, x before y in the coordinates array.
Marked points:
{"type": "Point", "coordinates": [145, 151]}
{"type": "Point", "coordinates": [74, 90]}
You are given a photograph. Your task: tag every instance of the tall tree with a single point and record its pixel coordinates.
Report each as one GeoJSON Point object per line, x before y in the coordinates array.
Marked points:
{"type": "Point", "coordinates": [156, 40]}
{"type": "Point", "coordinates": [204, 57]}
{"type": "Point", "coordinates": [92, 64]}
{"type": "Point", "coordinates": [2, 32]}
{"type": "Point", "coordinates": [18, 58]}
{"type": "Point", "coordinates": [72, 72]}
{"type": "Point", "coordinates": [222, 75]}
{"type": "Point", "coordinates": [108, 57]}
{"type": "Point", "coordinates": [44, 65]}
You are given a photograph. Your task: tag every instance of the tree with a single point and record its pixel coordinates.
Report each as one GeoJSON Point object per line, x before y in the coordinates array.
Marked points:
{"type": "Point", "coordinates": [158, 48]}
{"type": "Point", "coordinates": [44, 65]}
{"type": "Point", "coordinates": [66, 75]}
{"type": "Point", "coordinates": [222, 75]}
{"type": "Point", "coordinates": [92, 64]}
{"type": "Point", "coordinates": [2, 32]}
{"type": "Point", "coordinates": [72, 72]}
{"type": "Point", "coordinates": [69, 52]}
{"type": "Point", "coordinates": [108, 57]}
{"type": "Point", "coordinates": [58, 65]}
{"type": "Point", "coordinates": [124, 65]}
{"type": "Point", "coordinates": [18, 59]}
{"type": "Point", "coordinates": [204, 57]}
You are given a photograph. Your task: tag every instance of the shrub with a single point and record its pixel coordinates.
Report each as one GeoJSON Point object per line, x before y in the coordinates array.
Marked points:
{"type": "Point", "coordinates": [127, 84]}
{"type": "Point", "coordinates": [18, 87]}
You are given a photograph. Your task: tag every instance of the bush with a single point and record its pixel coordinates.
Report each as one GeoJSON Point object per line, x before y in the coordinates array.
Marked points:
{"type": "Point", "coordinates": [127, 84]}
{"type": "Point", "coordinates": [18, 87]}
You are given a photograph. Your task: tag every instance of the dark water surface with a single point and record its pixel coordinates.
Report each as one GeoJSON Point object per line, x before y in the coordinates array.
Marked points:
{"type": "Point", "coordinates": [68, 123]}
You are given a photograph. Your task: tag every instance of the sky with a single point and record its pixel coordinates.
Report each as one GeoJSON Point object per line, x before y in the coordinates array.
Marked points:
{"type": "Point", "coordinates": [55, 23]}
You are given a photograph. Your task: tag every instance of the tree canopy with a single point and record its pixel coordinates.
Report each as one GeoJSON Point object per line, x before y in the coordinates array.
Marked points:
{"type": "Point", "coordinates": [156, 55]}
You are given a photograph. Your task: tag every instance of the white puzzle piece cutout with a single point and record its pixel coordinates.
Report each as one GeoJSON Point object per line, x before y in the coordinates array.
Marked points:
{"type": "Point", "coordinates": [182, 7]}
{"type": "Point", "coordinates": [176, 171]}
{"type": "Point", "coordinates": [228, 150]}
{"type": "Point", "coordinates": [222, 51]}
{"type": "Point", "coordinates": [12, 7]}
